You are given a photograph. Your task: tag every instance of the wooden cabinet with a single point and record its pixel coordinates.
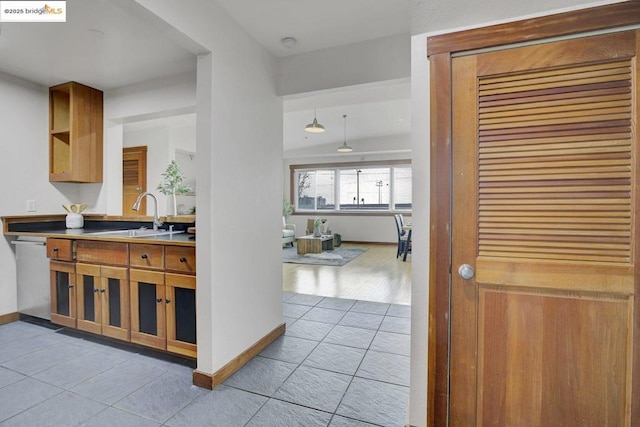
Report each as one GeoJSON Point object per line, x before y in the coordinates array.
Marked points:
{"type": "Point", "coordinates": [61, 249]}
{"type": "Point", "coordinates": [148, 324]}
{"type": "Point", "coordinates": [146, 256]}
{"type": "Point", "coordinates": [63, 293]}
{"type": "Point", "coordinates": [75, 133]}
{"type": "Point", "coordinates": [163, 311]}
{"type": "Point", "coordinates": [102, 294]}
{"type": "Point", "coordinates": [180, 300]}
{"type": "Point", "coordinates": [138, 292]}
{"type": "Point", "coordinates": [181, 259]}
{"type": "Point", "coordinates": [100, 252]}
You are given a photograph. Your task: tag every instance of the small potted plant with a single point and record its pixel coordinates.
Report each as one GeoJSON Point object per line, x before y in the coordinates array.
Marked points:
{"type": "Point", "coordinates": [317, 227]}
{"type": "Point", "coordinates": [172, 185]}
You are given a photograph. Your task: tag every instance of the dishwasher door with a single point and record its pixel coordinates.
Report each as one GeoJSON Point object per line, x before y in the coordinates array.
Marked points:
{"type": "Point", "coordinates": [32, 265]}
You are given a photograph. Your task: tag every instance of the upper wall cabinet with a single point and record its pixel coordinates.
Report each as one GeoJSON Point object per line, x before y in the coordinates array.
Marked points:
{"type": "Point", "coordinates": [75, 133]}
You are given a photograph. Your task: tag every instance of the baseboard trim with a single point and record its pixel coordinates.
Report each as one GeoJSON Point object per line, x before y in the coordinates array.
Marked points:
{"type": "Point", "coordinates": [9, 318]}
{"type": "Point", "coordinates": [211, 381]}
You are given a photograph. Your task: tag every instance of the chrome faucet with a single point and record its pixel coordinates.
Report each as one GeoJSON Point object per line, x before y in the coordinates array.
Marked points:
{"type": "Point", "coordinates": [156, 220]}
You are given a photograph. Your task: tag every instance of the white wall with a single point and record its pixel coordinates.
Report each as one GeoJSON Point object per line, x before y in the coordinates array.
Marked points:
{"type": "Point", "coordinates": [239, 182]}
{"type": "Point", "coordinates": [380, 147]}
{"type": "Point", "coordinates": [24, 168]}
{"type": "Point", "coordinates": [420, 240]}
{"type": "Point", "coordinates": [156, 139]}
{"type": "Point", "coordinates": [370, 61]}
{"type": "Point", "coordinates": [168, 138]}
{"type": "Point", "coordinates": [187, 163]}
{"type": "Point", "coordinates": [146, 101]}
{"type": "Point", "coordinates": [151, 99]}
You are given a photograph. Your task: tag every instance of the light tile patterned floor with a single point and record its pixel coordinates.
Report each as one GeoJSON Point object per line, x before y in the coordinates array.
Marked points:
{"type": "Point", "coordinates": [340, 363]}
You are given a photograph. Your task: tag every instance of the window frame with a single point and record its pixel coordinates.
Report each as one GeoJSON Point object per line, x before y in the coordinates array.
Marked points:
{"type": "Point", "coordinates": [391, 164]}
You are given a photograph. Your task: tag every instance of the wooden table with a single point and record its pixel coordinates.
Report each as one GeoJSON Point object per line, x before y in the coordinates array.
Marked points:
{"type": "Point", "coordinates": [315, 245]}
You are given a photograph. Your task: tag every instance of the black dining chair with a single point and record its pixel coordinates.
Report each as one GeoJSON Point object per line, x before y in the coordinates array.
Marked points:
{"type": "Point", "coordinates": [407, 246]}
{"type": "Point", "coordinates": [402, 235]}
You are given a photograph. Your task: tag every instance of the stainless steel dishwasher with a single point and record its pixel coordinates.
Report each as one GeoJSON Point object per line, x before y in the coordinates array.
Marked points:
{"type": "Point", "coordinates": [32, 265]}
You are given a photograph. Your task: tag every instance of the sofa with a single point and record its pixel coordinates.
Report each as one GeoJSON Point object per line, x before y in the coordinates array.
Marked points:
{"type": "Point", "coordinates": [288, 232]}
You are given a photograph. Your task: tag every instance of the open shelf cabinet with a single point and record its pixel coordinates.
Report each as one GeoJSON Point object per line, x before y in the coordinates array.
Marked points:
{"type": "Point", "coordinates": [75, 133]}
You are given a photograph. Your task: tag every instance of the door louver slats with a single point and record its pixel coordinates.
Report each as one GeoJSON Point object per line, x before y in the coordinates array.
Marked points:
{"type": "Point", "coordinates": [549, 140]}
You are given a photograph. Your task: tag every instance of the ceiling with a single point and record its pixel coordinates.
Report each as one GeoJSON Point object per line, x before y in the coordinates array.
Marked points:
{"type": "Point", "coordinates": [114, 43]}
{"type": "Point", "coordinates": [318, 24]}
{"type": "Point", "coordinates": [104, 44]}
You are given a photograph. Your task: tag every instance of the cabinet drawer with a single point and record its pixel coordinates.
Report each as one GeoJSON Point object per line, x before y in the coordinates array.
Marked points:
{"type": "Point", "coordinates": [101, 252]}
{"type": "Point", "coordinates": [180, 258]}
{"type": "Point", "coordinates": [61, 249]}
{"type": "Point", "coordinates": [146, 256]}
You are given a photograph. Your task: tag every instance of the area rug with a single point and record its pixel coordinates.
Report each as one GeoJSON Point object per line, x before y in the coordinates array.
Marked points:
{"type": "Point", "coordinates": [337, 257]}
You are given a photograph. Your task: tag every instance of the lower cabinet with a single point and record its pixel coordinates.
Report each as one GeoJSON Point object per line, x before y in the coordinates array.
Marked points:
{"type": "Point", "coordinates": [103, 300]}
{"type": "Point", "coordinates": [163, 311]}
{"type": "Point", "coordinates": [63, 293]}
{"type": "Point", "coordinates": [180, 298]}
{"type": "Point", "coordinates": [126, 291]}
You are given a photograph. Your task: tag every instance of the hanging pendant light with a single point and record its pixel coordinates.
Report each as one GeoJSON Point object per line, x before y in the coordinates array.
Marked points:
{"type": "Point", "coordinates": [314, 127]}
{"type": "Point", "coordinates": [344, 148]}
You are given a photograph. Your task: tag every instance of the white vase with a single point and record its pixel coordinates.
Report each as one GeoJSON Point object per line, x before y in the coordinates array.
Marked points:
{"type": "Point", "coordinates": [74, 220]}
{"type": "Point", "coordinates": [317, 232]}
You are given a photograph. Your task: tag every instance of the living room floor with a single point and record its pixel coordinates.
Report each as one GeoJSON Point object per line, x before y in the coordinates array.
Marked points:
{"type": "Point", "coordinates": [342, 362]}
{"type": "Point", "coordinates": [376, 275]}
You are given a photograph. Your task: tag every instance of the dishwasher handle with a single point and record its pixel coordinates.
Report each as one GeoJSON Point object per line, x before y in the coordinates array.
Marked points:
{"type": "Point", "coordinates": [27, 242]}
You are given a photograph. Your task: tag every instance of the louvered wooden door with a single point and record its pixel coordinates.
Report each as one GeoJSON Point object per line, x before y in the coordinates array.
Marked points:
{"type": "Point", "coordinates": [134, 179]}
{"type": "Point", "coordinates": [545, 142]}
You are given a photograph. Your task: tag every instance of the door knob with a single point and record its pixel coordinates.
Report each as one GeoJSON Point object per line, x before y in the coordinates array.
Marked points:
{"type": "Point", "coordinates": [466, 271]}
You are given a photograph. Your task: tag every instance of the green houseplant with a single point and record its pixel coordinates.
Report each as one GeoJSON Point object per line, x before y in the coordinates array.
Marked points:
{"type": "Point", "coordinates": [172, 185]}
{"type": "Point", "coordinates": [287, 208]}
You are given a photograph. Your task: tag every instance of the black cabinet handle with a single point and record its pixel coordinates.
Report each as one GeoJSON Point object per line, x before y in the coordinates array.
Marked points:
{"type": "Point", "coordinates": [96, 290]}
{"type": "Point", "coordinates": [102, 291]}
{"type": "Point", "coordinates": [158, 299]}
{"type": "Point", "coordinates": [69, 286]}
{"type": "Point", "coordinates": [167, 301]}
{"type": "Point", "coordinates": [55, 249]}
{"type": "Point", "coordinates": [183, 259]}
{"type": "Point", "coordinates": [144, 256]}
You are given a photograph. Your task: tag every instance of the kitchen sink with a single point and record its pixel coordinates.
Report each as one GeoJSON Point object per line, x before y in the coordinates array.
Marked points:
{"type": "Point", "coordinates": [136, 232]}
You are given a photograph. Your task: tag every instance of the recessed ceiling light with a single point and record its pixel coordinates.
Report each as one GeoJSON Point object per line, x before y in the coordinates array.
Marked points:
{"type": "Point", "coordinates": [289, 42]}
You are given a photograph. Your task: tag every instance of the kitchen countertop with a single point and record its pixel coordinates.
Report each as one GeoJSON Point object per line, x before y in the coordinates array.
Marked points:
{"type": "Point", "coordinates": [53, 226]}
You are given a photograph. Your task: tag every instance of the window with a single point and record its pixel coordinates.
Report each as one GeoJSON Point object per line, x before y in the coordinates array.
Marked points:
{"type": "Point", "coordinates": [364, 186]}
{"type": "Point", "coordinates": [402, 188]}
{"type": "Point", "coordinates": [316, 190]}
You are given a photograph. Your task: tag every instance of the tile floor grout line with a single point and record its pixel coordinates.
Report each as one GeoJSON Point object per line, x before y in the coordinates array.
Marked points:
{"type": "Point", "coordinates": [351, 377]}
{"type": "Point", "coordinates": [141, 357]}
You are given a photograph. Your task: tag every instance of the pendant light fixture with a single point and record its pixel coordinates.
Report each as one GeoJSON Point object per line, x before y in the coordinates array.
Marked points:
{"type": "Point", "coordinates": [344, 148]}
{"type": "Point", "coordinates": [314, 127]}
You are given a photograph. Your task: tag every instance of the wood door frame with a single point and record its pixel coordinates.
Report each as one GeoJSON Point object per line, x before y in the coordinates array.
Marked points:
{"type": "Point", "coordinates": [439, 51]}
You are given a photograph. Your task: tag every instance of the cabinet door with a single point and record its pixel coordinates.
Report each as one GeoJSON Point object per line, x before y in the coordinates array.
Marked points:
{"type": "Point", "coordinates": [89, 298]}
{"type": "Point", "coordinates": [181, 314]}
{"type": "Point", "coordinates": [63, 294]}
{"type": "Point", "coordinates": [114, 299]}
{"type": "Point", "coordinates": [148, 323]}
